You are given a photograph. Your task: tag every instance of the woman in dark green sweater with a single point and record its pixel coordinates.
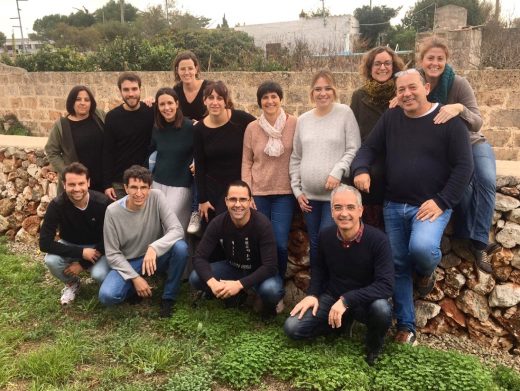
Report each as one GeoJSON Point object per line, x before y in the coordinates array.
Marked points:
{"type": "Point", "coordinates": [172, 138]}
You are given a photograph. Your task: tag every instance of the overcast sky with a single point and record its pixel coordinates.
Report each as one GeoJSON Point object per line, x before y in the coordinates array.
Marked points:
{"type": "Point", "coordinates": [237, 11]}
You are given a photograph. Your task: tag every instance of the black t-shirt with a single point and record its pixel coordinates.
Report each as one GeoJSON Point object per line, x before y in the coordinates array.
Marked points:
{"type": "Point", "coordinates": [88, 141]}
{"type": "Point", "coordinates": [196, 109]}
{"type": "Point", "coordinates": [127, 139]}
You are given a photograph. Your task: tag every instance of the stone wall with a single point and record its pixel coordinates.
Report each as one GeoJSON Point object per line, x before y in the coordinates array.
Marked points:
{"type": "Point", "coordinates": [38, 99]}
{"type": "Point", "coordinates": [464, 300]}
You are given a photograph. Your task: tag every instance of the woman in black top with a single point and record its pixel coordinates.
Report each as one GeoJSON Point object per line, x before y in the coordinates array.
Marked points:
{"type": "Point", "coordinates": [78, 137]}
{"type": "Point", "coordinates": [218, 148]}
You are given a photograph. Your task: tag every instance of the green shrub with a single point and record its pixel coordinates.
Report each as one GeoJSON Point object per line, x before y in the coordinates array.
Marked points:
{"type": "Point", "coordinates": [507, 378]}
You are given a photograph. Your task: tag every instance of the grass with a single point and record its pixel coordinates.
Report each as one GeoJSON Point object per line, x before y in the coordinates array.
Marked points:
{"type": "Point", "coordinates": [85, 347]}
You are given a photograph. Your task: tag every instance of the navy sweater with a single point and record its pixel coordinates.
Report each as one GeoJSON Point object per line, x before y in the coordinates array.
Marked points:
{"type": "Point", "coordinates": [362, 273]}
{"type": "Point", "coordinates": [423, 160]}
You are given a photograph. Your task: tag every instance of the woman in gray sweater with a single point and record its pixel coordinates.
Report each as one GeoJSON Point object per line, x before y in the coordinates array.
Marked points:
{"type": "Point", "coordinates": [325, 143]}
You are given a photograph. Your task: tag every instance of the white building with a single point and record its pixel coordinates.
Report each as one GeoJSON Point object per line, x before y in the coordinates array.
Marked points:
{"type": "Point", "coordinates": [31, 46]}
{"type": "Point", "coordinates": [329, 35]}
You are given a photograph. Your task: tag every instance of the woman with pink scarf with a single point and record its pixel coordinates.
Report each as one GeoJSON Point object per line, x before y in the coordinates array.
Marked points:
{"type": "Point", "coordinates": [268, 144]}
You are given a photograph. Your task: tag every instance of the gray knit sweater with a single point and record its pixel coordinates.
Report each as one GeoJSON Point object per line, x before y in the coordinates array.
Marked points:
{"type": "Point", "coordinates": [128, 233]}
{"type": "Point", "coordinates": [322, 146]}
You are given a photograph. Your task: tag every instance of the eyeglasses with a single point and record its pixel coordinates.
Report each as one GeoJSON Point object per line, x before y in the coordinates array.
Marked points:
{"type": "Point", "coordinates": [136, 189]}
{"type": "Point", "coordinates": [378, 64]}
{"type": "Point", "coordinates": [349, 207]}
{"type": "Point", "coordinates": [234, 200]}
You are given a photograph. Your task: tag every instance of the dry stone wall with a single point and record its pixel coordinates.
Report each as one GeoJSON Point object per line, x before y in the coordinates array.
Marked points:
{"type": "Point", "coordinates": [464, 300]}
{"type": "Point", "coordinates": [38, 99]}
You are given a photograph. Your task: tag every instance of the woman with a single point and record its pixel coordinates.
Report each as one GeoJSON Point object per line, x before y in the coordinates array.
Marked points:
{"type": "Point", "coordinates": [325, 143]}
{"type": "Point", "coordinates": [369, 102]}
{"type": "Point", "coordinates": [218, 148]}
{"type": "Point", "coordinates": [268, 145]}
{"type": "Point", "coordinates": [78, 137]}
{"type": "Point", "coordinates": [189, 88]}
{"type": "Point", "coordinates": [172, 138]}
{"type": "Point", "coordinates": [474, 214]}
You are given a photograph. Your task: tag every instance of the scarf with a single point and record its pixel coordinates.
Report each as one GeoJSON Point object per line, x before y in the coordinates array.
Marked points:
{"type": "Point", "coordinates": [274, 146]}
{"type": "Point", "coordinates": [440, 93]}
{"type": "Point", "coordinates": [379, 94]}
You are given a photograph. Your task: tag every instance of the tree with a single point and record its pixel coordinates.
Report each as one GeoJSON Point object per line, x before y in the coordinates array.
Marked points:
{"type": "Point", "coordinates": [401, 37]}
{"type": "Point", "coordinates": [112, 11]}
{"type": "Point", "coordinates": [373, 22]}
{"type": "Point", "coordinates": [225, 24]}
{"type": "Point", "coordinates": [3, 39]}
{"type": "Point", "coordinates": [186, 21]}
{"type": "Point", "coordinates": [152, 22]}
{"type": "Point", "coordinates": [81, 19]}
{"type": "Point", "coordinates": [44, 27]}
{"type": "Point", "coordinates": [420, 17]}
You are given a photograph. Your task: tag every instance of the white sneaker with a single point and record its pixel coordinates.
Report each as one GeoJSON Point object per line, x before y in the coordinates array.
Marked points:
{"type": "Point", "coordinates": [194, 225]}
{"type": "Point", "coordinates": [68, 294]}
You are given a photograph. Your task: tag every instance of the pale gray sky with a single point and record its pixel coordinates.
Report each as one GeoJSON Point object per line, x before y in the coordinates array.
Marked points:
{"type": "Point", "coordinates": [237, 11]}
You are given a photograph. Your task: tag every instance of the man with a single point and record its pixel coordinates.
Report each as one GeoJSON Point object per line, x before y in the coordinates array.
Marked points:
{"type": "Point", "coordinates": [128, 129]}
{"type": "Point", "coordinates": [77, 214]}
{"type": "Point", "coordinates": [352, 279]}
{"type": "Point", "coordinates": [249, 245]}
{"type": "Point", "coordinates": [427, 167]}
{"type": "Point", "coordinates": [142, 236]}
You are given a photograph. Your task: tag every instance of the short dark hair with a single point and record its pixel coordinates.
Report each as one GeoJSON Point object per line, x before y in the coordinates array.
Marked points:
{"type": "Point", "coordinates": [158, 118]}
{"type": "Point", "coordinates": [130, 76]}
{"type": "Point", "coordinates": [73, 95]}
{"type": "Point", "coordinates": [220, 88]}
{"type": "Point", "coordinates": [239, 183]}
{"type": "Point", "coordinates": [266, 87]}
{"type": "Point", "coordinates": [137, 172]}
{"type": "Point", "coordinates": [75, 168]}
{"type": "Point", "coordinates": [185, 55]}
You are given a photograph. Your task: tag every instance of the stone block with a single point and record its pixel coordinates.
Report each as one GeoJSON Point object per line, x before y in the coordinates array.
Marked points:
{"type": "Point", "coordinates": [500, 137]}
{"type": "Point", "coordinates": [509, 236]}
{"type": "Point", "coordinates": [506, 118]}
{"type": "Point", "coordinates": [424, 311]}
{"type": "Point", "coordinates": [474, 304]}
{"type": "Point", "coordinates": [505, 203]}
{"type": "Point", "coordinates": [505, 295]}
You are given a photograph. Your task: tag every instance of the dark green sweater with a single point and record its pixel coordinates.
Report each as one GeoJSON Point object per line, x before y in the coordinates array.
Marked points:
{"type": "Point", "coordinates": [174, 148]}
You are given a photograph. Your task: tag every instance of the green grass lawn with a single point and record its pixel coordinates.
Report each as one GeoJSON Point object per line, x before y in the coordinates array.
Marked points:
{"type": "Point", "coordinates": [87, 347]}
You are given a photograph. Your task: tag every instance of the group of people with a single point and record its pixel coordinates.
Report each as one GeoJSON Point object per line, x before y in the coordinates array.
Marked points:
{"type": "Point", "coordinates": [377, 183]}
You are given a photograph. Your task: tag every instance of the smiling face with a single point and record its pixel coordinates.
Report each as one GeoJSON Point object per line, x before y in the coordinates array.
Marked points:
{"type": "Point", "coordinates": [346, 212]}
{"type": "Point", "coordinates": [382, 67]}
{"type": "Point", "coordinates": [167, 107]}
{"type": "Point", "coordinates": [131, 94]}
{"type": "Point", "coordinates": [215, 104]}
{"type": "Point", "coordinates": [76, 187]}
{"type": "Point", "coordinates": [238, 203]}
{"type": "Point", "coordinates": [323, 94]}
{"type": "Point", "coordinates": [434, 63]}
{"type": "Point", "coordinates": [411, 94]}
{"type": "Point", "coordinates": [271, 103]}
{"type": "Point", "coordinates": [187, 71]}
{"type": "Point", "coordinates": [138, 192]}
{"type": "Point", "coordinates": [82, 105]}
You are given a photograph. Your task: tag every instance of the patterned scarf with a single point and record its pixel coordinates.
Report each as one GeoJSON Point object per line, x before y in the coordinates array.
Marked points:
{"type": "Point", "coordinates": [440, 93]}
{"type": "Point", "coordinates": [379, 94]}
{"type": "Point", "coordinates": [274, 146]}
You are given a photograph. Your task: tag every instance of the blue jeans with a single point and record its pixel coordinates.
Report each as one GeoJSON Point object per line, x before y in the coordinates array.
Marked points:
{"type": "Point", "coordinates": [115, 289]}
{"type": "Point", "coordinates": [319, 218]}
{"type": "Point", "coordinates": [270, 290]}
{"type": "Point", "coordinates": [474, 214]}
{"type": "Point", "coordinates": [376, 315]}
{"type": "Point", "coordinates": [415, 249]}
{"type": "Point", "coordinates": [279, 209]}
{"type": "Point", "coordinates": [57, 264]}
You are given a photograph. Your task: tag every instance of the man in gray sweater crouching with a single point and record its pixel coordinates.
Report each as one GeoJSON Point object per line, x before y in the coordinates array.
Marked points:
{"type": "Point", "coordinates": [142, 235]}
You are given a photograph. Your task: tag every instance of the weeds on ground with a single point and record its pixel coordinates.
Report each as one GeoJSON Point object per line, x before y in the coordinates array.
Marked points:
{"type": "Point", "coordinates": [85, 346]}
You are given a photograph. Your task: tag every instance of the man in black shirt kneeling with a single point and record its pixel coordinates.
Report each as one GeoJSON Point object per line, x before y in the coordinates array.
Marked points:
{"type": "Point", "coordinates": [352, 279]}
{"type": "Point", "coordinates": [78, 215]}
{"type": "Point", "coordinates": [248, 242]}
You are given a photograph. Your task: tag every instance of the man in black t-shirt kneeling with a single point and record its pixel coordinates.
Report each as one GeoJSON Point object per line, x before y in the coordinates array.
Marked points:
{"type": "Point", "coordinates": [248, 242]}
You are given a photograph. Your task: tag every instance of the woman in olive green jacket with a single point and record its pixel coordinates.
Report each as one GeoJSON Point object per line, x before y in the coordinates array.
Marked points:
{"type": "Point", "coordinates": [78, 137]}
